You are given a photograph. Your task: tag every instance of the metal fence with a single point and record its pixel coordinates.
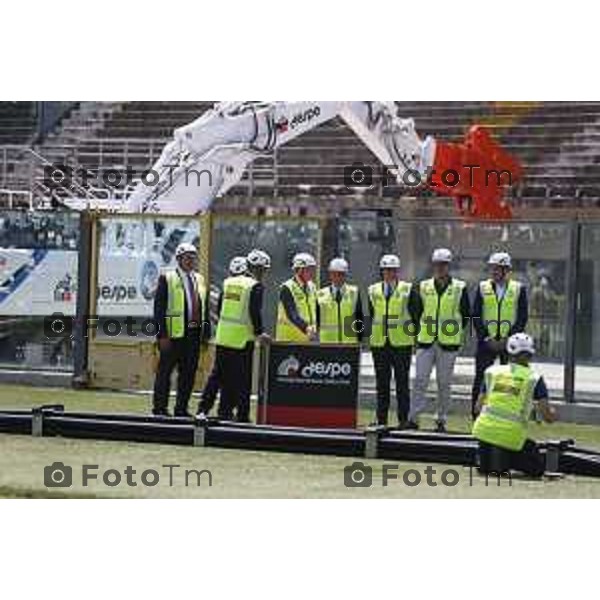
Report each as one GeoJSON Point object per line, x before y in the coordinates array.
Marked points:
{"type": "Point", "coordinates": [301, 174]}
{"type": "Point", "coordinates": [48, 259]}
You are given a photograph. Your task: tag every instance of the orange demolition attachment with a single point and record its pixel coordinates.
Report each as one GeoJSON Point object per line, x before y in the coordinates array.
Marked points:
{"type": "Point", "coordinates": [475, 174]}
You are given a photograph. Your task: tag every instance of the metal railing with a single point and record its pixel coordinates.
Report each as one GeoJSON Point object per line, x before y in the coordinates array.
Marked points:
{"type": "Point", "coordinates": [16, 199]}
{"type": "Point", "coordinates": [283, 173]}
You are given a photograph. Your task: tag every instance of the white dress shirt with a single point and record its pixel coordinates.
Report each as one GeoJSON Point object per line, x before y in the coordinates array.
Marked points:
{"type": "Point", "coordinates": [189, 285]}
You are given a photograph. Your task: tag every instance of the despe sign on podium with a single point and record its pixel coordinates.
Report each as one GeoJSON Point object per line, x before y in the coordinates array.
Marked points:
{"type": "Point", "coordinates": [309, 385]}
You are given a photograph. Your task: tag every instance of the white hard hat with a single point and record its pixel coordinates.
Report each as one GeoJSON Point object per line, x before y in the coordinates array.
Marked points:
{"type": "Point", "coordinates": [520, 342]}
{"type": "Point", "coordinates": [238, 265]}
{"type": "Point", "coordinates": [389, 261]}
{"type": "Point", "coordinates": [501, 259]}
{"type": "Point", "coordinates": [339, 265]}
{"type": "Point", "coordinates": [185, 248]}
{"type": "Point", "coordinates": [303, 259]}
{"type": "Point", "coordinates": [259, 258]}
{"type": "Point", "coordinates": [441, 255]}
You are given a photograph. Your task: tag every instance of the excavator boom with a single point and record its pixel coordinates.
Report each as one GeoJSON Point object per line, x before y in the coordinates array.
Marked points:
{"type": "Point", "coordinates": [208, 156]}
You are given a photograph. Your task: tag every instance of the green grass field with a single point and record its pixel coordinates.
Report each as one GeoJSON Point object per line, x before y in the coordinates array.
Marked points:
{"type": "Point", "coordinates": [240, 474]}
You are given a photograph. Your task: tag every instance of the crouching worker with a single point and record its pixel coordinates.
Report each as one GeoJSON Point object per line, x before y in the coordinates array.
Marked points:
{"type": "Point", "coordinates": [508, 395]}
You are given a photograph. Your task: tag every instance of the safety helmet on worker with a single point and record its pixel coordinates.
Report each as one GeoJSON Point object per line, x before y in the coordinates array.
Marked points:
{"type": "Point", "coordinates": [238, 265]}
{"type": "Point", "coordinates": [441, 255]}
{"type": "Point", "coordinates": [259, 258]}
{"type": "Point", "coordinates": [303, 260]}
{"type": "Point", "coordinates": [520, 343]}
{"type": "Point", "coordinates": [389, 261]}
{"type": "Point", "coordinates": [338, 265]}
{"type": "Point", "coordinates": [185, 248]}
{"type": "Point", "coordinates": [501, 259]}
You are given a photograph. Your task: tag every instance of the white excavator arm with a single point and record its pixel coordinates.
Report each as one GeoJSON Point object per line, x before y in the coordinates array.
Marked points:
{"type": "Point", "coordinates": [208, 157]}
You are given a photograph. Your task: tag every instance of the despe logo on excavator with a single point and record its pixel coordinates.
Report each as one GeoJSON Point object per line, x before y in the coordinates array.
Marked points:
{"type": "Point", "coordinates": [283, 124]}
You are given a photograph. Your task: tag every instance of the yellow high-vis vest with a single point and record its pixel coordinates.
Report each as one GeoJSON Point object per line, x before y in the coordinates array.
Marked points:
{"type": "Point", "coordinates": [175, 317]}
{"type": "Point", "coordinates": [235, 328]}
{"type": "Point", "coordinates": [504, 418]}
{"type": "Point", "coordinates": [391, 319]}
{"type": "Point", "coordinates": [306, 306]}
{"type": "Point", "coordinates": [441, 314]}
{"type": "Point", "coordinates": [499, 316]}
{"type": "Point", "coordinates": [335, 325]}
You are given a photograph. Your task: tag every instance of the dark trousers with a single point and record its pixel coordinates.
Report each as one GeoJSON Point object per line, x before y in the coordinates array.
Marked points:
{"type": "Point", "coordinates": [529, 460]}
{"type": "Point", "coordinates": [232, 375]}
{"type": "Point", "coordinates": [182, 354]}
{"type": "Point", "coordinates": [484, 358]}
{"type": "Point", "coordinates": [211, 390]}
{"type": "Point", "coordinates": [386, 360]}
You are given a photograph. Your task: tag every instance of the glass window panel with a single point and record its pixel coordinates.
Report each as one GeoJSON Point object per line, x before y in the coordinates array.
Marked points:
{"type": "Point", "coordinates": [133, 251]}
{"type": "Point", "coordinates": [587, 378]}
{"type": "Point", "coordinates": [38, 277]}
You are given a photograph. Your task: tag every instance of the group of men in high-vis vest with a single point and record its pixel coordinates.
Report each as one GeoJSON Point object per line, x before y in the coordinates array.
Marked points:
{"type": "Point", "coordinates": [239, 326]}
{"type": "Point", "coordinates": [307, 314]}
{"type": "Point", "coordinates": [181, 309]}
{"type": "Point", "coordinates": [430, 317]}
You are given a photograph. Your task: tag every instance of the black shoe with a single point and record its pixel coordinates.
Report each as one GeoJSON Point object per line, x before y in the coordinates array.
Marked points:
{"type": "Point", "coordinates": [412, 426]}
{"type": "Point", "coordinates": [440, 427]}
{"type": "Point", "coordinates": [161, 412]}
{"type": "Point", "coordinates": [183, 414]}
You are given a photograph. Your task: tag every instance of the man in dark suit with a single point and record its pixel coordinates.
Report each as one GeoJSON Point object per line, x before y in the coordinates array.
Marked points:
{"type": "Point", "coordinates": [181, 311]}
{"type": "Point", "coordinates": [500, 310]}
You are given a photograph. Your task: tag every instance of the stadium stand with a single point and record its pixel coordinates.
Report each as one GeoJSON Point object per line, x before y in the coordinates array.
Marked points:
{"type": "Point", "coordinates": [558, 143]}
{"type": "Point", "coordinates": [17, 122]}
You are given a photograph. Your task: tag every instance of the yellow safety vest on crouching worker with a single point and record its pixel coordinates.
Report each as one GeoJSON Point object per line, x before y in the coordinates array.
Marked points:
{"type": "Point", "coordinates": [235, 328]}
{"type": "Point", "coordinates": [504, 418]}
{"type": "Point", "coordinates": [499, 315]}
{"type": "Point", "coordinates": [306, 307]}
{"type": "Point", "coordinates": [175, 318]}
{"type": "Point", "coordinates": [391, 318]}
{"type": "Point", "coordinates": [335, 324]}
{"type": "Point", "coordinates": [441, 314]}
